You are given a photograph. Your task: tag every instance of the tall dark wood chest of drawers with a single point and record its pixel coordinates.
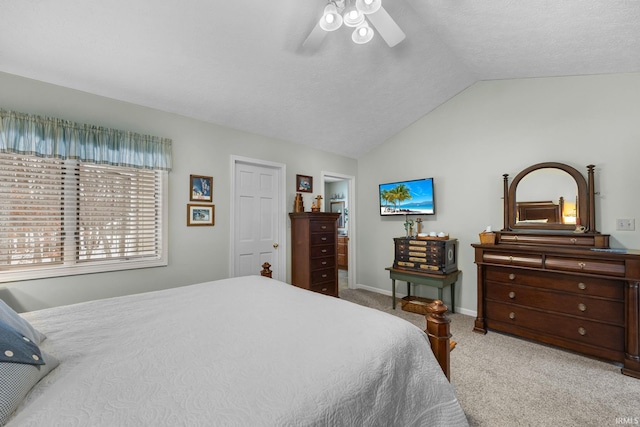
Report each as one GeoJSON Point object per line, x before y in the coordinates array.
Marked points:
{"type": "Point", "coordinates": [428, 256]}
{"type": "Point", "coordinates": [314, 251]}
{"type": "Point", "coordinates": [579, 298]}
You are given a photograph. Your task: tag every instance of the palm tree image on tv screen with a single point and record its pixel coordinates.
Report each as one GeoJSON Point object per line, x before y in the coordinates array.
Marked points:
{"type": "Point", "coordinates": [413, 197]}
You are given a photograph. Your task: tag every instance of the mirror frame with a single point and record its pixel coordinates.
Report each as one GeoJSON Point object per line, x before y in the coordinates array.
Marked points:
{"type": "Point", "coordinates": [585, 196]}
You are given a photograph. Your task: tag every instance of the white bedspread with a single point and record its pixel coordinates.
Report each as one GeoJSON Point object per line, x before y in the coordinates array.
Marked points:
{"type": "Point", "coordinates": [248, 351]}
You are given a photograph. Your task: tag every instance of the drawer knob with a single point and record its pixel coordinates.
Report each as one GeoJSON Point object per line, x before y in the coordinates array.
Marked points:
{"type": "Point", "coordinates": [324, 238]}
{"type": "Point", "coordinates": [573, 240]}
{"type": "Point", "coordinates": [512, 295]}
{"type": "Point", "coordinates": [510, 259]}
{"type": "Point", "coordinates": [324, 227]}
{"type": "Point", "coordinates": [582, 307]}
{"type": "Point", "coordinates": [582, 265]}
{"type": "Point", "coordinates": [582, 331]}
{"type": "Point", "coordinates": [582, 286]}
{"type": "Point", "coordinates": [512, 315]}
{"type": "Point", "coordinates": [515, 238]}
{"type": "Point", "coordinates": [324, 276]}
{"type": "Point", "coordinates": [324, 251]}
{"type": "Point", "coordinates": [512, 276]}
{"type": "Point", "coordinates": [324, 289]}
{"type": "Point", "coordinates": [324, 262]}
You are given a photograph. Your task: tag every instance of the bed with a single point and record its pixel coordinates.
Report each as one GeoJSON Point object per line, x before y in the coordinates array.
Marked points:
{"type": "Point", "coordinates": [234, 352]}
{"type": "Point", "coordinates": [540, 212]}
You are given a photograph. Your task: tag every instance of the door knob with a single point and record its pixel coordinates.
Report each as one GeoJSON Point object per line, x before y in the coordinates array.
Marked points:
{"type": "Point", "coordinates": [275, 245]}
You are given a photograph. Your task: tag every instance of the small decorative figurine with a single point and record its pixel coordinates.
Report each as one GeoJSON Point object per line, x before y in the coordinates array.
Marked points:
{"type": "Point", "coordinates": [315, 207]}
{"type": "Point", "coordinates": [408, 226]}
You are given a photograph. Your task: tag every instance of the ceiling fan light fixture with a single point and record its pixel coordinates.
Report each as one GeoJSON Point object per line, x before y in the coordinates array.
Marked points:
{"type": "Point", "coordinates": [363, 34]}
{"type": "Point", "coordinates": [352, 16]}
{"type": "Point", "coordinates": [331, 20]}
{"type": "Point", "coordinates": [368, 6]}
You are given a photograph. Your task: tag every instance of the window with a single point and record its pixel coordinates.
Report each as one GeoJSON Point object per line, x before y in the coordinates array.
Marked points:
{"type": "Point", "coordinates": [63, 217]}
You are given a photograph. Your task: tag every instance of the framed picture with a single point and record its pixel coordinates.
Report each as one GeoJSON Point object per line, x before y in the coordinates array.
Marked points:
{"type": "Point", "coordinates": [304, 184]}
{"type": "Point", "coordinates": [200, 214]}
{"type": "Point", "coordinates": [200, 188]}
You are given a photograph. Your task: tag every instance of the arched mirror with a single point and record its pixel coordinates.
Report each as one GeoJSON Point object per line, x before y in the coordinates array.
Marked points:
{"type": "Point", "coordinates": [549, 196]}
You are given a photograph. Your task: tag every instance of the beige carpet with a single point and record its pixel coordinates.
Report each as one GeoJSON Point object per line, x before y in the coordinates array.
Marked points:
{"type": "Point", "coordinates": [507, 381]}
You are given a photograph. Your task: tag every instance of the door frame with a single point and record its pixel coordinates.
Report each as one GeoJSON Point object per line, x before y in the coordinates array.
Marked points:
{"type": "Point", "coordinates": [281, 171]}
{"type": "Point", "coordinates": [351, 252]}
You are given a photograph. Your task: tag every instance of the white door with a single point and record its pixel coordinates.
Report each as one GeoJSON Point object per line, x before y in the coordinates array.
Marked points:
{"type": "Point", "coordinates": [257, 218]}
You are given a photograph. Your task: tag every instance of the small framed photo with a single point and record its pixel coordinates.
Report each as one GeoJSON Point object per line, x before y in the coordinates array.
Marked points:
{"type": "Point", "coordinates": [200, 214]}
{"type": "Point", "coordinates": [304, 184]}
{"type": "Point", "coordinates": [200, 188]}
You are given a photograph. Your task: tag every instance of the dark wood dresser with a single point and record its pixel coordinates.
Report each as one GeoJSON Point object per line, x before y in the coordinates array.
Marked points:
{"type": "Point", "coordinates": [579, 299]}
{"type": "Point", "coordinates": [314, 251]}
{"type": "Point", "coordinates": [555, 280]}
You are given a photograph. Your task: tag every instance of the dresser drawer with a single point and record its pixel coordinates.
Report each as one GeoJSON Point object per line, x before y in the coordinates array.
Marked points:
{"type": "Point", "coordinates": [319, 276]}
{"type": "Point", "coordinates": [566, 240]}
{"type": "Point", "coordinates": [507, 258]}
{"type": "Point", "coordinates": [594, 266]}
{"type": "Point", "coordinates": [318, 226]}
{"type": "Point", "coordinates": [551, 324]}
{"type": "Point", "coordinates": [322, 238]}
{"type": "Point", "coordinates": [425, 249]}
{"type": "Point", "coordinates": [582, 285]}
{"type": "Point", "coordinates": [327, 288]}
{"type": "Point", "coordinates": [575, 305]}
{"type": "Point", "coordinates": [322, 250]}
{"type": "Point", "coordinates": [324, 262]}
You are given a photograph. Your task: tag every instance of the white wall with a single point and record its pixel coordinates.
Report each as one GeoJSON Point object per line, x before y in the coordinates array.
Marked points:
{"type": "Point", "coordinates": [196, 254]}
{"type": "Point", "coordinates": [499, 127]}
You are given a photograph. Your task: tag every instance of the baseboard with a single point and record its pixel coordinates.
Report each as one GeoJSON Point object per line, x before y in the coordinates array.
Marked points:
{"type": "Point", "coordinates": [467, 312]}
{"type": "Point", "coordinates": [460, 310]}
{"type": "Point", "coordinates": [378, 290]}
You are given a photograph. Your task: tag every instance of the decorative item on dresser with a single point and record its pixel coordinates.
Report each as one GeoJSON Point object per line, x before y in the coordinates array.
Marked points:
{"type": "Point", "coordinates": [424, 260]}
{"type": "Point", "coordinates": [314, 251]}
{"type": "Point", "coordinates": [436, 255]}
{"type": "Point", "coordinates": [558, 282]}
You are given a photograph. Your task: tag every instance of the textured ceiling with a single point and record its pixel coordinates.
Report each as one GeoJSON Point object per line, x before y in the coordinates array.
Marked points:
{"type": "Point", "coordinates": [241, 64]}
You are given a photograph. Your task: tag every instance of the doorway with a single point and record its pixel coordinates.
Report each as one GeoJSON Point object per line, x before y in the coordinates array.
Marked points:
{"type": "Point", "coordinates": [338, 193]}
{"type": "Point", "coordinates": [258, 217]}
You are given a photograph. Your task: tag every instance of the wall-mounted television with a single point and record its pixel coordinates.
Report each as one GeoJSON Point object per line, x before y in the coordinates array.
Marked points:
{"type": "Point", "coordinates": [413, 197]}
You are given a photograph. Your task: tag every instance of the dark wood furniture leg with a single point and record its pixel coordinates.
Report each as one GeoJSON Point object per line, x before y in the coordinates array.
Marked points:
{"type": "Point", "coordinates": [438, 331]}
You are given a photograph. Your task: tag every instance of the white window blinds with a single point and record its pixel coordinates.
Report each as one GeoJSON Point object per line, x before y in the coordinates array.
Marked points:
{"type": "Point", "coordinates": [61, 217]}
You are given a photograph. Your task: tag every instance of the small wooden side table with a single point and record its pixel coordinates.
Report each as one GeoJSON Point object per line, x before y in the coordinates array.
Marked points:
{"type": "Point", "coordinates": [439, 281]}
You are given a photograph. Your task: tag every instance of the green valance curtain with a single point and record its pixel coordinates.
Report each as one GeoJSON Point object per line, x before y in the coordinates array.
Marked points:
{"type": "Point", "coordinates": [50, 137]}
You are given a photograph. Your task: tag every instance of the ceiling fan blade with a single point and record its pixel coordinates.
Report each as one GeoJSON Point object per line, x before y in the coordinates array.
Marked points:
{"type": "Point", "coordinates": [386, 26]}
{"type": "Point", "coordinates": [315, 38]}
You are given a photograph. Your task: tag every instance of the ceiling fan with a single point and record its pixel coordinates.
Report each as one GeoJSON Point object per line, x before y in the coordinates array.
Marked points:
{"type": "Point", "coordinates": [356, 14]}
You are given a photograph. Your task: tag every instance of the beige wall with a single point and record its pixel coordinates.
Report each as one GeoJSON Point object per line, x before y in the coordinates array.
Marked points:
{"type": "Point", "coordinates": [196, 254]}
{"type": "Point", "coordinates": [499, 127]}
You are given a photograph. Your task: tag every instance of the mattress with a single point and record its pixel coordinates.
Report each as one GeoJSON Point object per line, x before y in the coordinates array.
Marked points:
{"type": "Point", "coordinates": [247, 351]}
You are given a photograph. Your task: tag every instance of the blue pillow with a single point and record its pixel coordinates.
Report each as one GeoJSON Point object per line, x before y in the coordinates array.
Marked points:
{"type": "Point", "coordinates": [22, 365]}
{"type": "Point", "coordinates": [8, 315]}
{"type": "Point", "coordinates": [15, 347]}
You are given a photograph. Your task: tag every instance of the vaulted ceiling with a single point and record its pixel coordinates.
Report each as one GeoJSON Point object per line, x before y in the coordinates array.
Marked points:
{"type": "Point", "coordinates": [241, 63]}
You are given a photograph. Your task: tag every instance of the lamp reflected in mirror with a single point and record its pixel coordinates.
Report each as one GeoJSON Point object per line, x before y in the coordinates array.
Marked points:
{"type": "Point", "coordinates": [569, 215]}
